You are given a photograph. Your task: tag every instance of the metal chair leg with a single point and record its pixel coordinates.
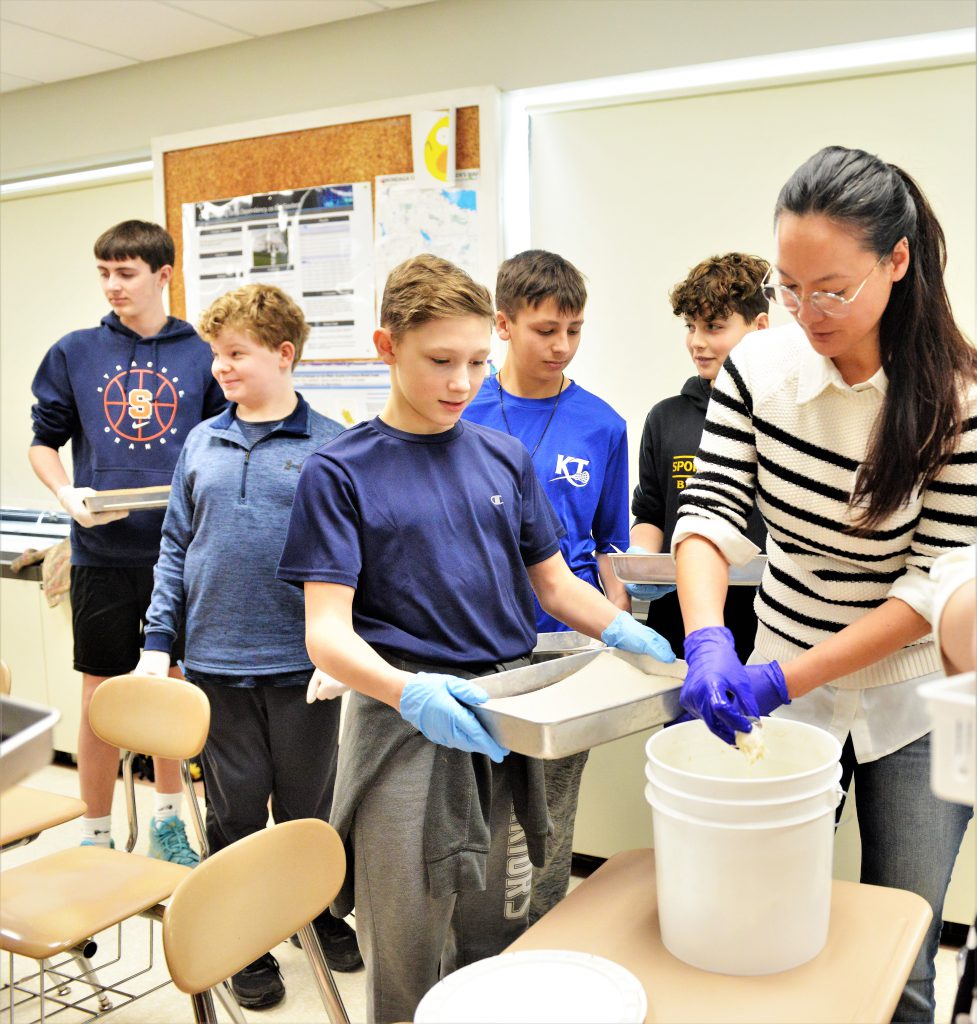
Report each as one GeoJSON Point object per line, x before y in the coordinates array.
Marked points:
{"type": "Point", "coordinates": [225, 994]}
{"type": "Point", "coordinates": [88, 974]}
{"type": "Point", "coordinates": [191, 796]}
{"type": "Point", "coordinates": [328, 992]}
{"type": "Point", "coordinates": [203, 1008]}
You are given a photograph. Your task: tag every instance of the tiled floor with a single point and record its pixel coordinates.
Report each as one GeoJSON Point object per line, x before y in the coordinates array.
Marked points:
{"type": "Point", "coordinates": [167, 1005]}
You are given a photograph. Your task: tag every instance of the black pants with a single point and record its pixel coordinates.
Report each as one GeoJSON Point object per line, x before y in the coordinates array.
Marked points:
{"type": "Point", "coordinates": [267, 743]}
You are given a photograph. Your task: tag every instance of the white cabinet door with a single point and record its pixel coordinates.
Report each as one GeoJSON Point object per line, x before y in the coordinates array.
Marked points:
{"type": "Point", "coordinates": [21, 639]}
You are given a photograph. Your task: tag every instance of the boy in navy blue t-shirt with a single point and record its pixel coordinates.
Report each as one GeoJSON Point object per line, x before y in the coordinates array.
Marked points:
{"type": "Point", "coordinates": [579, 448]}
{"type": "Point", "coordinates": [420, 541]}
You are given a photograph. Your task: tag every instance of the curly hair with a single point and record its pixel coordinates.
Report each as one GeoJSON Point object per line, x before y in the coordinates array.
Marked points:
{"type": "Point", "coordinates": [426, 288]}
{"type": "Point", "coordinates": [720, 286]}
{"type": "Point", "coordinates": [263, 311]}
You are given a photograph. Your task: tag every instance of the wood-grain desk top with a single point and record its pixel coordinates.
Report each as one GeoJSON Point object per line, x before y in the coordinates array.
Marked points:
{"type": "Point", "coordinates": [873, 939]}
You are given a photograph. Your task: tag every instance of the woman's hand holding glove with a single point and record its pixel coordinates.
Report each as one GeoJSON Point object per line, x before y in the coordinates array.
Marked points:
{"type": "Point", "coordinates": [717, 688]}
{"type": "Point", "coordinates": [628, 634]}
{"type": "Point", "coordinates": [432, 703]}
{"type": "Point", "coordinates": [646, 591]}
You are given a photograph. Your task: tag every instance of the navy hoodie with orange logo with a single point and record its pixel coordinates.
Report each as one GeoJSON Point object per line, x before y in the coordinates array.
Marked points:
{"type": "Point", "coordinates": [126, 403]}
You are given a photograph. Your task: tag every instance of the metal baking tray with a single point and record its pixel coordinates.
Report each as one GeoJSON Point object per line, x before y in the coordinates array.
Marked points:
{"type": "Point", "coordinates": [661, 569]}
{"type": "Point", "coordinates": [600, 722]}
{"type": "Point", "coordinates": [562, 645]}
{"type": "Point", "coordinates": [129, 499]}
{"type": "Point", "coordinates": [25, 739]}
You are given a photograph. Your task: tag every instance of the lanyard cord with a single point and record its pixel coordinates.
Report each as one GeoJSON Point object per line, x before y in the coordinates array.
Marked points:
{"type": "Point", "coordinates": [505, 419]}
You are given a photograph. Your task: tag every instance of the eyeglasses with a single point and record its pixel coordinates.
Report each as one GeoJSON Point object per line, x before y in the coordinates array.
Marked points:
{"type": "Point", "coordinates": [829, 303]}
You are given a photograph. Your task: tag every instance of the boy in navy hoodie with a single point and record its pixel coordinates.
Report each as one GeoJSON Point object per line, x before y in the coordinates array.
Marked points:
{"type": "Point", "coordinates": [125, 394]}
{"type": "Point", "coordinates": [245, 630]}
{"type": "Point", "coordinates": [720, 302]}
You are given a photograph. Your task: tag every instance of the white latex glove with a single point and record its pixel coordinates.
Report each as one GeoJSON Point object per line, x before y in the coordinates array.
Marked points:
{"type": "Point", "coordinates": [73, 502]}
{"type": "Point", "coordinates": [153, 663]}
{"type": "Point", "coordinates": [323, 687]}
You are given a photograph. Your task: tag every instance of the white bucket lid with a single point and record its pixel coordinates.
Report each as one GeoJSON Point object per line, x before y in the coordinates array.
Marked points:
{"type": "Point", "coordinates": [538, 986]}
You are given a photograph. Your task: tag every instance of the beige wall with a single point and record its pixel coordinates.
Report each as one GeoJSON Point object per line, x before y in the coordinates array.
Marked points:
{"type": "Point", "coordinates": [429, 48]}
{"type": "Point", "coordinates": [48, 286]}
{"type": "Point", "coordinates": [637, 194]}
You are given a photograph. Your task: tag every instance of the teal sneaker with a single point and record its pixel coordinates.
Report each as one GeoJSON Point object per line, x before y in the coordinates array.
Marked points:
{"type": "Point", "coordinates": [168, 841]}
{"type": "Point", "coordinates": [91, 842]}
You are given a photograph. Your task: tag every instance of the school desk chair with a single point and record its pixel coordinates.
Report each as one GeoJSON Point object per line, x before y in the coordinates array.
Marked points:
{"type": "Point", "coordinates": [58, 903]}
{"type": "Point", "coordinates": [25, 812]}
{"type": "Point", "coordinates": [219, 920]}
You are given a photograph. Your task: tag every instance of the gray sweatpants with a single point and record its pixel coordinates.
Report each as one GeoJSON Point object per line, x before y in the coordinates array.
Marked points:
{"type": "Point", "coordinates": [409, 939]}
{"type": "Point", "coordinates": [551, 881]}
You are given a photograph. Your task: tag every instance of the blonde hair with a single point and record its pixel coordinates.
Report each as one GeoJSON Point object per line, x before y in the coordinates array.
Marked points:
{"type": "Point", "coordinates": [426, 288]}
{"type": "Point", "coordinates": [265, 312]}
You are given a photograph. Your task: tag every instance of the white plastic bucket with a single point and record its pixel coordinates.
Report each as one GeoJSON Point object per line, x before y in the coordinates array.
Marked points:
{"type": "Point", "coordinates": [744, 865]}
{"type": "Point", "coordinates": [736, 812]}
{"type": "Point", "coordinates": [799, 758]}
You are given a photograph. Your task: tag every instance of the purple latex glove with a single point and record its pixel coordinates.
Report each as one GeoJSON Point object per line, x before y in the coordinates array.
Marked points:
{"type": "Point", "coordinates": [717, 688]}
{"type": "Point", "coordinates": [768, 686]}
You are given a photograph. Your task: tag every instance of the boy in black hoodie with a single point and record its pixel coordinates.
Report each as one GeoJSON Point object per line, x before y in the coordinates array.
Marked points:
{"type": "Point", "coordinates": [720, 302]}
{"type": "Point", "coordinates": [125, 394]}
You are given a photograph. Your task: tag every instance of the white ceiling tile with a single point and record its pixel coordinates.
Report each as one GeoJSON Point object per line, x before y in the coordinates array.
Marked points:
{"type": "Point", "coordinates": [30, 54]}
{"type": "Point", "coordinates": [140, 29]}
{"type": "Point", "coordinates": [264, 19]}
{"type": "Point", "coordinates": [8, 83]}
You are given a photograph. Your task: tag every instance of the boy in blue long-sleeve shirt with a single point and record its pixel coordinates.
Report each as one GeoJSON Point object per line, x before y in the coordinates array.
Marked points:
{"type": "Point", "coordinates": [245, 647]}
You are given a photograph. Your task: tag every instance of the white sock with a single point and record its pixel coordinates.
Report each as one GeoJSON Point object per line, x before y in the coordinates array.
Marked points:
{"type": "Point", "coordinates": [97, 830]}
{"type": "Point", "coordinates": [168, 805]}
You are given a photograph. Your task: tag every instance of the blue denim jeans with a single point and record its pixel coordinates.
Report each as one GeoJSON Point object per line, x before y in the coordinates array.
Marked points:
{"type": "Point", "coordinates": [910, 840]}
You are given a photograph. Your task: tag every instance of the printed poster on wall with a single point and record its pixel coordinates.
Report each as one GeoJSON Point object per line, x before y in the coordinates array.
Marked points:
{"type": "Point", "coordinates": [412, 219]}
{"type": "Point", "coordinates": [314, 243]}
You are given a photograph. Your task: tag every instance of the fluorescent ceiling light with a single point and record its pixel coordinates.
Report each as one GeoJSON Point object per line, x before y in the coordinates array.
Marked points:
{"type": "Point", "coordinates": [875, 55]}
{"type": "Point", "coordinates": [76, 178]}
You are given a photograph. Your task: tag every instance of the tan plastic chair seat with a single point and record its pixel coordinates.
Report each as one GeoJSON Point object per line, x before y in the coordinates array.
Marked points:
{"type": "Point", "coordinates": [25, 812]}
{"type": "Point", "coordinates": [52, 904]}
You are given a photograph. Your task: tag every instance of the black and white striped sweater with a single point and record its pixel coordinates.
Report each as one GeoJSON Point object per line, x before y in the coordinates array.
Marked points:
{"type": "Point", "coordinates": [785, 430]}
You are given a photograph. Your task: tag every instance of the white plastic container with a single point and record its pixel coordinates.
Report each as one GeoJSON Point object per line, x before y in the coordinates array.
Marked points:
{"type": "Point", "coordinates": [744, 885]}
{"type": "Point", "coordinates": [952, 705]}
{"type": "Point", "coordinates": [800, 758]}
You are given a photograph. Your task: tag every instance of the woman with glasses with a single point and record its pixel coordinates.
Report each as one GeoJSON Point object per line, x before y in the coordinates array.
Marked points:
{"type": "Point", "coordinates": [854, 430]}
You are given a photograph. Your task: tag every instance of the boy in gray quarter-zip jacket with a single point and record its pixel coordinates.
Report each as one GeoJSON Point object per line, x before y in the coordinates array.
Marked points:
{"type": "Point", "coordinates": [222, 537]}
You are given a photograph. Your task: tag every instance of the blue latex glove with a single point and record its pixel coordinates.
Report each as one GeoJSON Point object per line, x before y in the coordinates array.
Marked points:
{"type": "Point", "coordinates": [646, 591]}
{"type": "Point", "coordinates": [768, 685]}
{"type": "Point", "coordinates": [431, 703]}
{"type": "Point", "coordinates": [628, 634]}
{"type": "Point", "coordinates": [717, 688]}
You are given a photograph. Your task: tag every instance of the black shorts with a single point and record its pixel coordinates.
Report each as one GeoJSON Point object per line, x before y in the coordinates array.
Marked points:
{"type": "Point", "coordinates": [108, 612]}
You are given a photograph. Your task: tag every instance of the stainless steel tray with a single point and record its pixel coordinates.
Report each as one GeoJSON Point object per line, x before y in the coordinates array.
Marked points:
{"type": "Point", "coordinates": [130, 498]}
{"type": "Point", "coordinates": [661, 569]}
{"type": "Point", "coordinates": [600, 722]}
{"type": "Point", "coordinates": [561, 645]}
{"type": "Point", "coordinates": [25, 739]}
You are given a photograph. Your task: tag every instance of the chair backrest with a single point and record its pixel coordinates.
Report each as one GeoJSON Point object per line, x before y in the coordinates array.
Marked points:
{"type": "Point", "coordinates": [155, 715]}
{"type": "Point", "coordinates": [248, 897]}
{"type": "Point", "coordinates": [4, 678]}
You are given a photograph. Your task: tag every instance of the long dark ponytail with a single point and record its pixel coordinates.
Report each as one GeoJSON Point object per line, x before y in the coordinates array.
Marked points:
{"type": "Point", "coordinates": [925, 356]}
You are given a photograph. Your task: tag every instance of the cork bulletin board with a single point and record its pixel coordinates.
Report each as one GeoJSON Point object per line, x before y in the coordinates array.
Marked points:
{"type": "Point", "coordinates": [352, 151]}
